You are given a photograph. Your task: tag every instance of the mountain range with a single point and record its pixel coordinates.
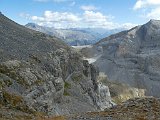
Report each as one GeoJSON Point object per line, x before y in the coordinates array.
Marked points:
{"type": "Point", "coordinates": [75, 36]}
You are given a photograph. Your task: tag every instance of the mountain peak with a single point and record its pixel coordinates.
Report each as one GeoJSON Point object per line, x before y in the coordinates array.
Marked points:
{"type": "Point", "coordinates": [34, 25]}
{"type": "Point", "coordinates": [153, 22]}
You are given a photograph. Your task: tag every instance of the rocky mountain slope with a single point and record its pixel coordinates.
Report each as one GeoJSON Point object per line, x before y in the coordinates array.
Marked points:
{"type": "Point", "coordinates": [41, 74]}
{"type": "Point", "coordinates": [132, 57]}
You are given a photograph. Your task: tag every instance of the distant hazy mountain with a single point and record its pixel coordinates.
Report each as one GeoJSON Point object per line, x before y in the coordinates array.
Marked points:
{"type": "Point", "coordinates": [75, 36]}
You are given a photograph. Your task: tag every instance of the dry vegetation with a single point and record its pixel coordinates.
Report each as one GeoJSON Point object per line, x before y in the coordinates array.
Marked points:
{"type": "Point", "coordinates": [133, 109]}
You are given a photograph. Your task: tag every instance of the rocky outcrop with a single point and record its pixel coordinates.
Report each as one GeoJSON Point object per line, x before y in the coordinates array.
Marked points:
{"type": "Point", "coordinates": [103, 97]}
{"type": "Point", "coordinates": [39, 73]}
{"type": "Point", "coordinates": [47, 92]}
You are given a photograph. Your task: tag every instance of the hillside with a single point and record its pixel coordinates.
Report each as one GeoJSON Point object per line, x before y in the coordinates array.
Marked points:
{"type": "Point", "coordinates": [132, 57]}
{"type": "Point", "coordinates": [40, 74]}
{"type": "Point", "coordinates": [133, 109]}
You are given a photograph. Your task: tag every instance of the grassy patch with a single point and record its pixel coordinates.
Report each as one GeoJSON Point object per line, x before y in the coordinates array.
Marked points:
{"type": "Point", "coordinates": [38, 82]}
{"type": "Point", "coordinates": [4, 83]}
{"type": "Point", "coordinates": [13, 74]}
{"type": "Point", "coordinates": [36, 59]}
{"type": "Point", "coordinates": [67, 85]}
{"type": "Point", "coordinates": [66, 93]}
{"type": "Point", "coordinates": [77, 77]}
{"type": "Point", "coordinates": [116, 100]}
{"type": "Point", "coordinates": [12, 99]}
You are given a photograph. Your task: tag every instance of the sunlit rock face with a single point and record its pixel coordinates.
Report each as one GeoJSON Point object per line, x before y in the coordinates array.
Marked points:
{"type": "Point", "coordinates": [103, 97]}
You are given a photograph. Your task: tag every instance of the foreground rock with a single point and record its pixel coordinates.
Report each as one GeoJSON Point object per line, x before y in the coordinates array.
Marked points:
{"type": "Point", "coordinates": [41, 74]}
{"type": "Point", "coordinates": [133, 109]}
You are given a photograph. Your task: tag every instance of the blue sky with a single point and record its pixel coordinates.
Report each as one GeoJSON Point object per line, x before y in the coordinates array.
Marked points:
{"type": "Point", "coordinates": [108, 14]}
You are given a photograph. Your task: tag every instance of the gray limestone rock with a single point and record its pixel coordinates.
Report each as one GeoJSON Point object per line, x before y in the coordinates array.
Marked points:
{"type": "Point", "coordinates": [45, 74]}
{"type": "Point", "coordinates": [132, 57]}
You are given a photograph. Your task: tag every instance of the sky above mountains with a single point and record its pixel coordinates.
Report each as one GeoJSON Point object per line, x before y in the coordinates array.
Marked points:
{"type": "Point", "coordinates": [109, 14]}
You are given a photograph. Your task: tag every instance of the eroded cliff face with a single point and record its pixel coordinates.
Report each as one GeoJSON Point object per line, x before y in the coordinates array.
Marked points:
{"type": "Point", "coordinates": [39, 73]}
{"type": "Point", "coordinates": [46, 89]}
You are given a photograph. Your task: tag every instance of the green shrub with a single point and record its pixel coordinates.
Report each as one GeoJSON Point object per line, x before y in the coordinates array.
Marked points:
{"type": "Point", "coordinates": [66, 93]}
{"type": "Point", "coordinates": [38, 82]}
{"type": "Point", "coordinates": [67, 85]}
{"type": "Point", "coordinates": [77, 77]}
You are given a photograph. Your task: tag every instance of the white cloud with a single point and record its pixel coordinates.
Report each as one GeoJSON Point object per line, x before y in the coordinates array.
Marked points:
{"type": "Point", "coordinates": [154, 14]}
{"type": "Point", "coordinates": [150, 8]}
{"type": "Point", "coordinates": [138, 5]}
{"type": "Point", "coordinates": [60, 16]}
{"type": "Point", "coordinates": [97, 19]}
{"type": "Point", "coordinates": [91, 16]}
{"type": "Point", "coordinates": [88, 7]}
{"type": "Point", "coordinates": [59, 19]}
{"type": "Point", "coordinates": [145, 3]}
{"type": "Point", "coordinates": [128, 25]}
{"type": "Point", "coordinates": [24, 15]}
{"type": "Point", "coordinates": [89, 19]}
